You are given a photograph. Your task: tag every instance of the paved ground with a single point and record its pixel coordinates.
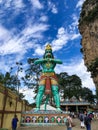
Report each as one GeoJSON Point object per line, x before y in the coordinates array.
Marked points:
{"type": "Point", "coordinates": [77, 127]}
{"type": "Point", "coordinates": [94, 125]}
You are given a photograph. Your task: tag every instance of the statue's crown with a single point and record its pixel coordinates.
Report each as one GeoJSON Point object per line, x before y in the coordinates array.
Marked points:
{"type": "Point", "coordinates": [48, 47]}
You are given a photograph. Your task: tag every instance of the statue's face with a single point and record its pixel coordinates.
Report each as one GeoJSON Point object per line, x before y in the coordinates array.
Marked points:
{"type": "Point", "coordinates": [48, 54]}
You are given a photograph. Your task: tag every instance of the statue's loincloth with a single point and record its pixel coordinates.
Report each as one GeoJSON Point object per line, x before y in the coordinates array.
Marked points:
{"type": "Point", "coordinates": [48, 79]}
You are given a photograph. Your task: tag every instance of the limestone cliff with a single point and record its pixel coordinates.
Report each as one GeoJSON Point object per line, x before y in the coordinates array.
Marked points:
{"type": "Point", "coordinates": [88, 27]}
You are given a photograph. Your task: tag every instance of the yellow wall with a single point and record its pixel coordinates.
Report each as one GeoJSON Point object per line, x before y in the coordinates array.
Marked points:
{"type": "Point", "coordinates": [1, 100]}
{"type": "Point", "coordinates": [9, 106]}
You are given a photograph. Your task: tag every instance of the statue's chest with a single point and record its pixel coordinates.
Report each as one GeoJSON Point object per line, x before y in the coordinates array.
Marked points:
{"type": "Point", "coordinates": [48, 65]}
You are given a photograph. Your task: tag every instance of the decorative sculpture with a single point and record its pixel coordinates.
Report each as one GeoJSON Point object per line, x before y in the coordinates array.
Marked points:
{"type": "Point", "coordinates": [48, 80]}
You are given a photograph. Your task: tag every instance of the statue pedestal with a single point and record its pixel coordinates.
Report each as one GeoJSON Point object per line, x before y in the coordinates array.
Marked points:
{"type": "Point", "coordinates": [42, 118]}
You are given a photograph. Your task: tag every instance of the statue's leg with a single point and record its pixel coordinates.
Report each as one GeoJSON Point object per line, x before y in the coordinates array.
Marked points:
{"type": "Point", "coordinates": [39, 96]}
{"type": "Point", "coordinates": [56, 96]}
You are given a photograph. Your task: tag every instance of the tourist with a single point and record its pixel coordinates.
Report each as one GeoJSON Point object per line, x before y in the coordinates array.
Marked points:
{"type": "Point", "coordinates": [14, 122]}
{"type": "Point", "coordinates": [81, 117]}
{"type": "Point", "coordinates": [69, 122]}
{"type": "Point", "coordinates": [87, 121]}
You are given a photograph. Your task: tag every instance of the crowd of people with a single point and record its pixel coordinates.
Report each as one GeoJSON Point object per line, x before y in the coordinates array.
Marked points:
{"type": "Point", "coordinates": [85, 120]}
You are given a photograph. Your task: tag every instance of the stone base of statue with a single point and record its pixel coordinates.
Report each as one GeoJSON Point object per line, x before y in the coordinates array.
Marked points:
{"type": "Point", "coordinates": [43, 117]}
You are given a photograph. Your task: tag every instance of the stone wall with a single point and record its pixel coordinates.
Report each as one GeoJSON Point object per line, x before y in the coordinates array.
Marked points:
{"type": "Point", "coordinates": [9, 106]}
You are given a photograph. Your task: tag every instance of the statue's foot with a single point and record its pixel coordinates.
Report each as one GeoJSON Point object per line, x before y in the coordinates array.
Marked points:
{"type": "Point", "coordinates": [58, 109]}
{"type": "Point", "coordinates": [37, 109]}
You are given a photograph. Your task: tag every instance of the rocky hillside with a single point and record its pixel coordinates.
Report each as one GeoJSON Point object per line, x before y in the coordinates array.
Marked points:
{"type": "Point", "coordinates": [88, 26]}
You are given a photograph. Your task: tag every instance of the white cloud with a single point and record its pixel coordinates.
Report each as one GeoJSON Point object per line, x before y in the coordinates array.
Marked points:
{"type": "Point", "coordinates": [73, 27]}
{"type": "Point", "coordinates": [75, 36]}
{"type": "Point", "coordinates": [37, 4]}
{"type": "Point", "coordinates": [79, 4]}
{"type": "Point", "coordinates": [77, 67]}
{"type": "Point", "coordinates": [43, 18]}
{"type": "Point", "coordinates": [4, 34]}
{"type": "Point", "coordinates": [66, 34]}
{"type": "Point", "coordinates": [18, 3]}
{"type": "Point", "coordinates": [14, 46]}
{"type": "Point", "coordinates": [29, 94]}
{"type": "Point", "coordinates": [39, 50]}
{"type": "Point", "coordinates": [12, 4]}
{"type": "Point", "coordinates": [75, 20]}
{"type": "Point", "coordinates": [19, 43]}
{"type": "Point", "coordinates": [3, 66]}
{"type": "Point", "coordinates": [33, 30]}
{"type": "Point", "coordinates": [1, 1]}
{"type": "Point", "coordinates": [7, 3]}
{"type": "Point", "coordinates": [62, 38]}
{"type": "Point", "coordinates": [54, 9]}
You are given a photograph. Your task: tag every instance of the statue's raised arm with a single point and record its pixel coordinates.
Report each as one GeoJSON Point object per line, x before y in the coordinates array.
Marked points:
{"type": "Point", "coordinates": [57, 61]}
{"type": "Point", "coordinates": [39, 61]}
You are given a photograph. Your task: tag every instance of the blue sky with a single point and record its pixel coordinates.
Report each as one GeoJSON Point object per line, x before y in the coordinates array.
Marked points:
{"type": "Point", "coordinates": [26, 26]}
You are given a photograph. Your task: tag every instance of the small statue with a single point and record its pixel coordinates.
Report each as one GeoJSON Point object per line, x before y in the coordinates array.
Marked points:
{"type": "Point", "coordinates": [48, 80]}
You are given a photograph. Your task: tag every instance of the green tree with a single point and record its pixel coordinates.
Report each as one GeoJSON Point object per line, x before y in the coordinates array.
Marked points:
{"type": "Point", "coordinates": [11, 80]}
{"type": "Point", "coordinates": [71, 85]}
{"type": "Point", "coordinates": [8, 80]}
{"type": "Point", "coordinates": [74, 86]}
{"type": "Point", "coordinates": [87, 95]}
{"type": "Point", "coordinates": [32, 74]}
{"type": "Point", "coordinates": [2, 78]}
{"type": "Point", "coordinates": [62, 79]}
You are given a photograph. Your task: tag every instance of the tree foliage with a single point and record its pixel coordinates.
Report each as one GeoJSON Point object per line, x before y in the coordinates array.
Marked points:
{"type": "Point", "coordinates": [9, 80]}
{"type": "Point", "coordinates": [32, 75]}
{"type": "Point", "coordinates": [87, 95]}
{"type": "Point", "coordinates": [72, 86]}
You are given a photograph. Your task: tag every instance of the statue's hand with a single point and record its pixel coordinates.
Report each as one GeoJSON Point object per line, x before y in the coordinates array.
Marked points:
{"type": "Point", "coordinates": [50, 59]}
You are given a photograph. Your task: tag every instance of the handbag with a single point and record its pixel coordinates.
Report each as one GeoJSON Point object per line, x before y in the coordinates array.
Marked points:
{"type": "Point", "coordinates": [72, 124]}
